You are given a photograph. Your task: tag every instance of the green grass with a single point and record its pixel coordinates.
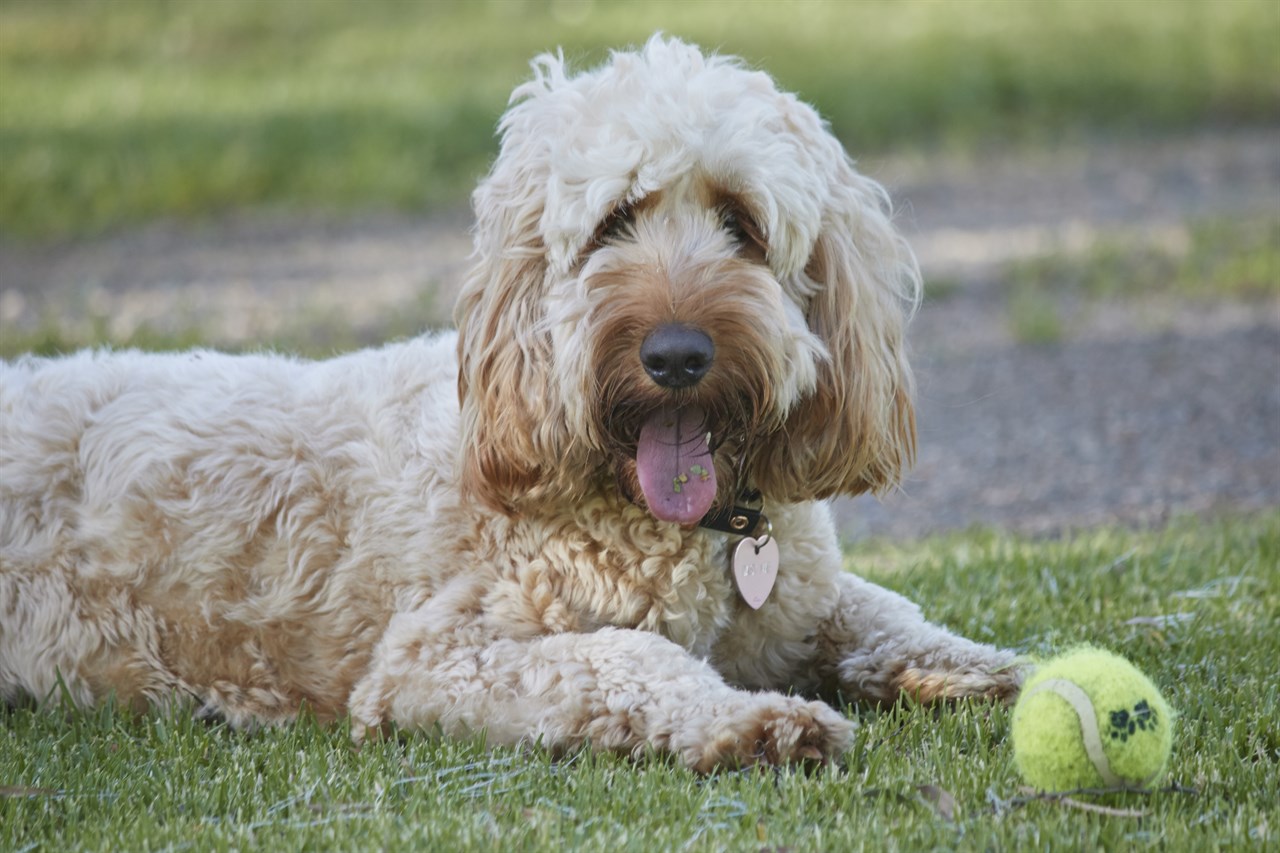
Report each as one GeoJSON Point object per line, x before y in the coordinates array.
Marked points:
{"type": "Point", "coordinates": [1237, 258]}
{"type": "Point", "coordinates": [1035, 316]}
{"type": "Point", "coordinates": [1194, 604]}
{"type": "Point", "coordinates": [118, 112]}
{"type": "Point", "coordinates": [1234, 259]}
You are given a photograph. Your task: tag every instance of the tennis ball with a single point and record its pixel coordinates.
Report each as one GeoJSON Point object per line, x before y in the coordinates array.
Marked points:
{"type": "Point", "coordinates": [1090, 719]}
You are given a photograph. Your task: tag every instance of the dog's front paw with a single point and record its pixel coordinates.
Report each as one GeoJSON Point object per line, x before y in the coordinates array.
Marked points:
{"type": "Point", "coordinates": [928, 685]}
{"type": "Point", "coordinates": [994, 675]}
{"type": "Point", "coordinates": [774, 730]}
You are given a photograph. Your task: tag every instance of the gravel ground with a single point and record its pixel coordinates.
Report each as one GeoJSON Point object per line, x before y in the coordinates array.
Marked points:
{"type": "Point", "coordinates": [1143, 410]}
{"type": "Point", "coordinates": [1088, 432]}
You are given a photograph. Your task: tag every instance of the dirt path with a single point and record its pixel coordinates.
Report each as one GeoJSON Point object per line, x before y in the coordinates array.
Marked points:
{"type": "Point", "coordinates": [1147, 409]}
{"type": "Point", "coordinates": [1144, 411]}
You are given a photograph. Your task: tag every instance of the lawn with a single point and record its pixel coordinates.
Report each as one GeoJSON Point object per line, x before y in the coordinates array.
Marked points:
{"type": "Point", "coordinates": [1194, 604]}
{"type": "Point", "coordinates": [120, 112]}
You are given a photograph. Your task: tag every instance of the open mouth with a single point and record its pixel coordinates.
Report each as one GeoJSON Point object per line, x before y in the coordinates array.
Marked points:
{"type": "Point", "coordinates": [674, 465]}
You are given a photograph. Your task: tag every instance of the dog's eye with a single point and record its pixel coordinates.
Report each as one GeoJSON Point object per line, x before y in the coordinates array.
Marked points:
{"type": "Point", "coordinates": [744, 231]}
{"type": "Point", "coordinates": [616, 225]}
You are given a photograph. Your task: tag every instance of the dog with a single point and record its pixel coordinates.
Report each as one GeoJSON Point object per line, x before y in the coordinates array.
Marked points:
{"type": "Point", "coordinates": [594, 514]}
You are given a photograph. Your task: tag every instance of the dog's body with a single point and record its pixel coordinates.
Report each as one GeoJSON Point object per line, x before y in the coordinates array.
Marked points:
{"type": "Point", "coordinates": [476, 531]}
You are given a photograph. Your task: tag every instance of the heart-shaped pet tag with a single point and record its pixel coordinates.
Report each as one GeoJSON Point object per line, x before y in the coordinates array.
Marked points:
{"type": "Point", "coordinates": [755, 568]}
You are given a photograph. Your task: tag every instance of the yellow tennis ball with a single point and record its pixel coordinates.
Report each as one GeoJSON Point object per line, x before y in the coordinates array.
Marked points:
{"type": "Point", "coordinates": [1090, 719]}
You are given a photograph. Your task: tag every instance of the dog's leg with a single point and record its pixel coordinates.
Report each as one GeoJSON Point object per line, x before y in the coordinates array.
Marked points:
{"type": "Point", "coordinates": [56, 643]}
{"type": "Point", "coordinates": [616, 689]}
{"type": "Point", "coordinates": [824, 630]}
{"type": "Point", "coordinates": [876, 645]}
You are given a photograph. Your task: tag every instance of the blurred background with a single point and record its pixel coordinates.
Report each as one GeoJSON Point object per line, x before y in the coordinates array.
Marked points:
{"type": "Point", "coordinates": [1093, 189]}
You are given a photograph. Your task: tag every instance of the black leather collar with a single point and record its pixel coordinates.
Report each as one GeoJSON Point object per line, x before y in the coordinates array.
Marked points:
{"type": "Point", "coordinates": [737, 520]}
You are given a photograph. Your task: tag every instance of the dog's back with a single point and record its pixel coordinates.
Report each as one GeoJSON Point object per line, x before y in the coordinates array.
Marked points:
{"type": "Point", "coordinates": [233, 496]}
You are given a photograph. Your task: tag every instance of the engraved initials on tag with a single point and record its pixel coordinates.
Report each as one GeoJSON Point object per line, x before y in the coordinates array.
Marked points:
{"type": "Point", "coordinates": [755, 568]}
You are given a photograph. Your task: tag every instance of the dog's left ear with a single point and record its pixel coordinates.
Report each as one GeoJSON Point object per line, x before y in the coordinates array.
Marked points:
{"type": "Point", "coordinates": [856, 431]}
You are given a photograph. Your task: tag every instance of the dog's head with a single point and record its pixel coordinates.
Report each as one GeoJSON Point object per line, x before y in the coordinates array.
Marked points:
{"type": "Point", "coordinates": [680, 283]}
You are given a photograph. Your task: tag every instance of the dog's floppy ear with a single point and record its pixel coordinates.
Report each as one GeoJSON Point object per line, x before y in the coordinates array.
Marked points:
{"type": "Point", "coordinates": [504, 352]}
{"type": "Point", "coordinates": [856, 431]}
{"type": "Point", "coordinates": [516, 442]}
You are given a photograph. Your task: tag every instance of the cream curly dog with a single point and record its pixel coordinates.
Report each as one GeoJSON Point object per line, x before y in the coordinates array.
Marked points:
{"type": "Point", "coordinates": [684, 325]}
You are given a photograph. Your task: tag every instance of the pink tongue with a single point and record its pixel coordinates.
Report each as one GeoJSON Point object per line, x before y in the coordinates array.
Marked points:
{"type": "Point", "coordinates": [674, 465]}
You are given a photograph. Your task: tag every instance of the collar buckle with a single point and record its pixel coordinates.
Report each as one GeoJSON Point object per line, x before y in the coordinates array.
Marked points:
{"type": "Point", "coordinates": [736, 520]}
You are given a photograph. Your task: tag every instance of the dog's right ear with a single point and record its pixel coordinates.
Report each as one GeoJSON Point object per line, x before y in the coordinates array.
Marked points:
{"type": "Point", "coordinates": [504, 351]}
{"type": "Point", "coordinates": [513, 432]}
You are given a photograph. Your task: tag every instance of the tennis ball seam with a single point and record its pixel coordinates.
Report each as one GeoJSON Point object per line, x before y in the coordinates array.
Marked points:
{"type": "Point", "coordinates": [1079, 701]}
{"type": "Point", "coordinates": [1091, 738]}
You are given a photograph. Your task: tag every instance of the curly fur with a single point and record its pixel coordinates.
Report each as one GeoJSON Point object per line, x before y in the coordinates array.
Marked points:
{"type": "Point", "coordinates": [449, 531]}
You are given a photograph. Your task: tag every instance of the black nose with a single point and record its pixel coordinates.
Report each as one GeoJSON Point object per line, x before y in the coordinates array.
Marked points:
{"type": "Point", "coordinates": [677, 356]}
